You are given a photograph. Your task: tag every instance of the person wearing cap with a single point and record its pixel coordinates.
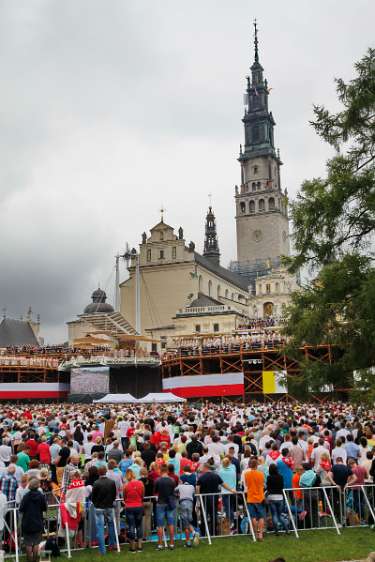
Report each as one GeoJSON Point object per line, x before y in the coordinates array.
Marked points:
{"type": "Point", "coordinates": [32, 506]}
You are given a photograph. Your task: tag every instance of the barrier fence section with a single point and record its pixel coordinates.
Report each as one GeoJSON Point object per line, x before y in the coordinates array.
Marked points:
{"type": "Point", "coordinates": [213, 516]}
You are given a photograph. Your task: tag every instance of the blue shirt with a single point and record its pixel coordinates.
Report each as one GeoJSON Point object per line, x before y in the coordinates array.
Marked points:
{"type": "Point", "coordinates": [229, 477]}
{"type": "Point", "coordinates": [352, 449]}
{"type": "Point", "coordinates": [285, 472]}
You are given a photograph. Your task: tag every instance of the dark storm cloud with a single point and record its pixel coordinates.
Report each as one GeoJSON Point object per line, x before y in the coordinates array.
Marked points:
{"type": "Point", "coordinates": [108, 110]}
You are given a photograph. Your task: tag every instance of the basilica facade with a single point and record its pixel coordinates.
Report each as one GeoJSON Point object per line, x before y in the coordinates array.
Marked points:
{"type": "Point", "coordinates": [173, 290]}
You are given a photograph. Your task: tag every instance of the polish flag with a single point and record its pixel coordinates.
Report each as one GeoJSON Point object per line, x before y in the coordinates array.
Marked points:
{"type": "Point", "coordinates": [201, 386]}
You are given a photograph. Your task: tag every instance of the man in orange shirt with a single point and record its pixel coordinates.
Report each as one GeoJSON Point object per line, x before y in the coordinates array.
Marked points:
{"type": "Point", "coordinates": [254, 486]}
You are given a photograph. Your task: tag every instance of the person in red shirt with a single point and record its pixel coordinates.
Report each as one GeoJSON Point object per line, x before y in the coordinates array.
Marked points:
{"type": "Point", "coordinates": [32, 444]}
{"type": "Point", "coordinates": [184, 461]}
{"type": "Point", "coordinates": [134, 492]}
{"type": "Point", "coordinates": [44, 452]}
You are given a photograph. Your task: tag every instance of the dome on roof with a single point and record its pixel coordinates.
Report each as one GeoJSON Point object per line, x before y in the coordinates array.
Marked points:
{"type": "Point", "coordinates": [98, 304]}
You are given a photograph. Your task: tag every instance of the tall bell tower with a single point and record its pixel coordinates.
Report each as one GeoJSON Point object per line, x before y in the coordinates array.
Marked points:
{"type": "Point", "coordinates": [261, 205]}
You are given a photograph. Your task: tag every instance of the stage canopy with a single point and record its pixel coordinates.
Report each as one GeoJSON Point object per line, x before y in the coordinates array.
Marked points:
{"type": "Point", "coordinates": [160, 398]}
{"type": "Point", "coordinates": [117, 399]}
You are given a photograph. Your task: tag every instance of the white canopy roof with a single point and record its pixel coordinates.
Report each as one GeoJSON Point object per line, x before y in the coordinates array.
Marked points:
{"type": "Point", "coordinates": [160, 398]}
{"type": "Point", "coordinates": [117, 399]}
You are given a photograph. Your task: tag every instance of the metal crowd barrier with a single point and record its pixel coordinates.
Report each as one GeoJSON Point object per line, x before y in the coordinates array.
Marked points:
{"type": "Point", "coordinates": [223, 515]}
{"type": "Point", "coordinates": [215, 515]}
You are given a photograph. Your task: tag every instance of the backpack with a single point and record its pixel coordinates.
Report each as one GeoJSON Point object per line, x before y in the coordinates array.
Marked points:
{"type": "Point", "coordinates": [307, 479]}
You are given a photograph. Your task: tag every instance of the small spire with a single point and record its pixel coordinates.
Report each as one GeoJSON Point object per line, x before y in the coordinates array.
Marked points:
{"type": "Point", "coordinates": [162, 211]}
{"type": "Point", "coordinates": [256, 55]}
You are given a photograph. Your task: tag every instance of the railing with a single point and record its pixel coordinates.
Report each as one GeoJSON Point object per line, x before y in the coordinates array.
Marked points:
{"type": "Point", "coordinates": [205, 309]}
{"type": "Point", "coordinates": [214, 516]}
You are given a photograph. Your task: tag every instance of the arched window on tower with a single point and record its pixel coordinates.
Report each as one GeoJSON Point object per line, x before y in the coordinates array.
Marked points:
{"type": "Point", "coordinates": [261, 204]}
{"type": "Point", "coordinates": [226, 294]}
{"type": "Point", "coordinates": [271, 204]}
{"type": "Point", "coordinates": [252, 206]}
{"type": "Point", "coordinates": [258, 185]}
{"type": "Point", "coordinates": [243, 206]}
{"type": "Point", "coordinates": [209, 288]}
{"type": "Point", "coordinates": [254, 186]}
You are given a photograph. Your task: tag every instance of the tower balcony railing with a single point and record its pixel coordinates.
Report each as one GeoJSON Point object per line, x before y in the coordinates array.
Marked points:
{"type": "Point", "coordinates": [199, 310]}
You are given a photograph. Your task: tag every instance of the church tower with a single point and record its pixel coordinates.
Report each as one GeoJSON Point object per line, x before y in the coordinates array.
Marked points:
{"type": "Point", "coordinates": [211, 245]}
{"type": "Point", "coordinates": [261, 205]}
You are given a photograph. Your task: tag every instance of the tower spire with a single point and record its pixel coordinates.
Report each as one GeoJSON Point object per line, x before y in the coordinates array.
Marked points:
{"type": "Point", "coordinates": [211, 245]}
{"type": "Point", "coordinates": [256, 53]}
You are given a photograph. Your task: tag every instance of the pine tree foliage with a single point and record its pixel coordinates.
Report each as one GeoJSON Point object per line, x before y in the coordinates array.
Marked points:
{"type": "Point", "coordinates": [334, 225]}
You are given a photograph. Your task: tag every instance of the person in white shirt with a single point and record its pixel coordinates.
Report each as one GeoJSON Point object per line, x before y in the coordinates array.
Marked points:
{"type": "Point", "coordinates": [317, 453]}
{"type": "Point", "coordinates": [339, 451]}
{"type": "Point", "coordinates": [231, 443]}
{"type": "Point", "coordinates": [216, 448]}
{"type": "Point", "coordinates": [5, 451]}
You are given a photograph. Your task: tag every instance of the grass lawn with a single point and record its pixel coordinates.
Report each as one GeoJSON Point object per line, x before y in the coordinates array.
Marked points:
{"type": "Point", "coordinates": [312, 546]}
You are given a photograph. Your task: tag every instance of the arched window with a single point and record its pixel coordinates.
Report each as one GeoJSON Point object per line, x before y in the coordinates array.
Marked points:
{"type": "Point", "coordinates": [161, 235]}
{"type": "Point", "coordinates": [254, 186]}
{"type": "Point", "coordinates": [209, 288]}
{"type": "Point", "coordinates": [232, 296]}
{"type": "Point", "coordinates": [261, 204]}
{"type": "Point", "coordinates": [200, 283]}
{"type": "Point", "coordinates": [271, 204]}
{"type": "Point", "coordinates": [252, 206]}
{"type": "Point", "coordinates": [218, 291]}
{"type": "Point", "coordinates": [277, 287]}
{"type": "Point", "coordinates": [258, 184]}
{"type": "Point", "coordinates": [242, 207]}
{"type": "Point", "coordinates": [226, 293]}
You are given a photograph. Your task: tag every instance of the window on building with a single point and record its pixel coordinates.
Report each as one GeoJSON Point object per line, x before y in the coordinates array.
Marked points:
{"type": "Point", "coordinates": [255, 170]}
{"type": "Point", "coordinates": [218, 291]}
{"type": "Point", "coordinates": [148, 255]}
{"type": "Point", "coordinates": [216, 328]}
{"type": "Point", "coordinates": [261, 204]}
{"type": "Point", "coordinates": [154, 347]}
{"type": "Point", "coordinates": [258, 185]}
{"type": "Point", "coordinates": [197, 328]}
{"type": "Point", "coordinates": [254, 186]}
{"type": "Point", "coordinates": [200, 283]}
{"type": "Point", "coordinates": [209, 288]}
{"type": "Point", "coordinates": [174, 252]}
{"type": "Point", "coordinates": [271, 204]}
{"type": "Point", "coordinates": [161, 255]}
{"type": "Point", "coordinates": [161, 235]}
{"type": "Point", "coordinates": [242, 207]}
{"type": "Point", "coordinates": [226, 293]}
{"type": "Point", "coordinates": [277, 287]}
{"type": "Point", "coordinates": [268, 288]}
{"type": "Point", "coordinates": [252, 206]}
{"type": "Point", "coordinates": [232, 296]}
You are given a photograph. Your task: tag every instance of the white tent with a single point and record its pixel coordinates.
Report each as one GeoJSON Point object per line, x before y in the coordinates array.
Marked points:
{"type": "Point", "coordinates": [117, 399]}
{"type": "Point", "coordinates": [160, 398]}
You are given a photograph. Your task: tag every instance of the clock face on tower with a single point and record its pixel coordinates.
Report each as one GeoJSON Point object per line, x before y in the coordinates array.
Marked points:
{"type": "Point", "coordinates": [257, 235]}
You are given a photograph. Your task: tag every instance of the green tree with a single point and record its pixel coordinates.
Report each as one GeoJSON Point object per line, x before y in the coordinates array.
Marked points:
{"type": "Point", "coordinates": [334, 223]}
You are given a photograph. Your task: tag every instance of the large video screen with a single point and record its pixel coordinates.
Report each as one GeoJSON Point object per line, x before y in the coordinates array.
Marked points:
{"type": "Point", "coordinates": [89, 380]}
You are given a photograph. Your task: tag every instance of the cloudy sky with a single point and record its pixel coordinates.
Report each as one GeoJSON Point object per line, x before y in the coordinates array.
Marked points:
{"type": "Point", "coordinates": [109, 110]}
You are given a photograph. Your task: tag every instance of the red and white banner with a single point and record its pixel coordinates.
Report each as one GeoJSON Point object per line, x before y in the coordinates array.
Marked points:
{"type": "Point", "coordinates": [22, 390]}
{"type": "Point", "coordinates": [197, 386]}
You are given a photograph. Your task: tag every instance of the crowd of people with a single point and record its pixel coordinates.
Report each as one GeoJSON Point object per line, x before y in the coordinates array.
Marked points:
{"type": "Point", "coordinates": [214, 469]}
{"type": "Point", "coordinates": [260, 339]}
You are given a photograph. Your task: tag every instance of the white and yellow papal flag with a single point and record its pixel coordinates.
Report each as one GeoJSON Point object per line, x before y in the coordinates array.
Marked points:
{"type": "Point", "coordinates": [274, 382]}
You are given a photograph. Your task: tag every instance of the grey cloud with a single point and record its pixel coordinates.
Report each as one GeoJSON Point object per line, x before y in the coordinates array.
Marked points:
{"type": "Point", "coordinates": [108, 110]}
